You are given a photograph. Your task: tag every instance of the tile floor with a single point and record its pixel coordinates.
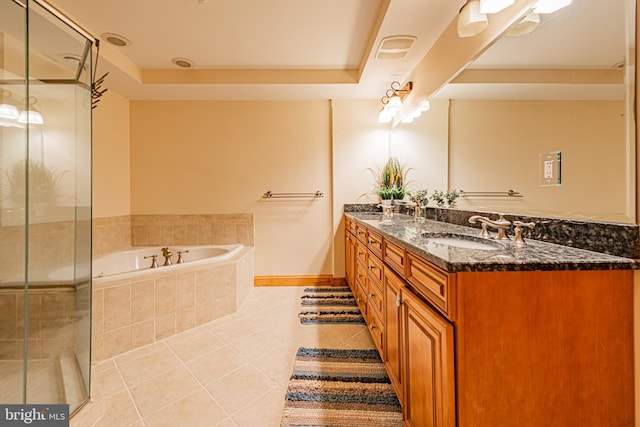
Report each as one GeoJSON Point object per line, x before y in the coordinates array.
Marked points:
{"type": "Point", "coordinates": [232, 372]}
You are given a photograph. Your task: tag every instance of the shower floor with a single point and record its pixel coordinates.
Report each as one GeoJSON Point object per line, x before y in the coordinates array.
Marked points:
{"type": "Point", "coordinates": [44, 381]}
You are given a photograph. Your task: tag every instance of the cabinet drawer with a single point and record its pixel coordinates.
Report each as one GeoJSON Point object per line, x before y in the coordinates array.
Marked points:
{"type": "Point", "coordinates": [431, 283]}
{"type": "Point", "coordinates": [375, 300]}
{"type": "Point", "coordinates": [374, 267]}
{"type": "Point", "coordinates": [361, 233]}
{"type": "Point", "coordinates": [374, 243]}
{"type": "Point", "coordinates": [377, 330]}
{"type": "Point", "coordinates": [360, 273]}
{"type": "Point", "coordinates": [361, 253]}
{"type": "Point", "coordinates": [350, 225]}
{"type": "Point", "coordinates": [394, 256]}
{"type": "Point", "coordinates": [360, 295]}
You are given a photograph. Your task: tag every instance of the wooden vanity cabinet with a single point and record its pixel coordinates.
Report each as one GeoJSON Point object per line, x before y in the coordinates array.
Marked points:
{"type": "Point", "coordinates": [349, 255]}
{"type": "Point", "coordinates": [499, 349]}
{"type": "Point", "coordinates": [392, 310]}
{"type": "Point", "coordinates": [427, 365]}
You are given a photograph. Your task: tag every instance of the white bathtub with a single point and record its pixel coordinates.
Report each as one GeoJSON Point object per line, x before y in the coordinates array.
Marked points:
{"type": "Point", "coordinates": [131, 263]}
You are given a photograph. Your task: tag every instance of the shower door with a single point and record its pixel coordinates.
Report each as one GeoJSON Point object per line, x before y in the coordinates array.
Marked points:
{"type": "Point", "coordinates": [45, 207]}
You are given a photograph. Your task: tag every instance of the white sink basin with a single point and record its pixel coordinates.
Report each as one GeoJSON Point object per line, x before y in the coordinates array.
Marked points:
{"type": "Point", "coordinates": [462, 241]}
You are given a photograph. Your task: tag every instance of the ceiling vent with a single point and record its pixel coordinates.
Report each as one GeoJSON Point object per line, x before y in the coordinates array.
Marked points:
{"type": "Point", "coordinates": [395, 47]}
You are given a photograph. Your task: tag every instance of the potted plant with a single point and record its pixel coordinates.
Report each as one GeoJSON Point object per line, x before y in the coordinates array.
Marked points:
{"type": "Point", "coordinates": [44, 182]}
{"type": "Point", "coordinates": [386, 195]}
{"type": "Point", "coordinates": [445, 197]}
{"type": "Point", "coordinates": [390, 180]}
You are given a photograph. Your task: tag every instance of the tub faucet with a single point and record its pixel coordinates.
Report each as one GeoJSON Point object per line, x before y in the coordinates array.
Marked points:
{"type": "Point", "coordinates": [501, 224]}
{"type": "Point", "coordinates": [154, 263]}
{"type": "Point", "coordinates": [167, 256]}
{"type": "Point", "coordinates": [180, 259]}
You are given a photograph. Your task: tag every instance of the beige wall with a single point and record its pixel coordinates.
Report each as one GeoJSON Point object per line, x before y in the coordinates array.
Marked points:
{"type": "Point", "coordinates": [496, 145]}
{"type": "Point", "coordinates": [111, 166]}
{"type": "Point", "coordinates": [361, 143]}
{"type": "Point", "coordinates": [220, 157]}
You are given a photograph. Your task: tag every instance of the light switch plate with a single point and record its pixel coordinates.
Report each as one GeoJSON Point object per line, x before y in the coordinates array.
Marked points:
{"type": "Point", "coordinates": [550, 167]}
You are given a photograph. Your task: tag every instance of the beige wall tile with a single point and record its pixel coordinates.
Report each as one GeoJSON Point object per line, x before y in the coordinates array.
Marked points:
{"type": "Point", "coordinates": [204, 313]}
{"type": "Point", "coordinates": [165, 295]}
{"type": "Point", "coordinates": [142, 300]}
{"type": "Point", "coordinates": [204, 287]}
{"type": "Point", "coordinates": [116, 342]}
{"type": "Point", "coordinates": [185, 319]}
{"type": "Point", "coordinates": [165, 325]}
{"type": "Point", "coordinates": [142, 333]}
{"type": "Point", "coordinates": [117, 307]}
{"type": "Point", "coordinates": [186, 290]}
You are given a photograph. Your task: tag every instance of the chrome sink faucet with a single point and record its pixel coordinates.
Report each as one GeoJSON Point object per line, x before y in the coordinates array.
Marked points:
{"type": "Point", "coordinates": [501, 224]}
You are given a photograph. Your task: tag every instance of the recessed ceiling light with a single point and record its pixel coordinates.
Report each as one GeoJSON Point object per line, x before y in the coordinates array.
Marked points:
{"type": "Point", "coordinates": [116, 39]}
{"type": "Point", "coordinates": [183, 62]}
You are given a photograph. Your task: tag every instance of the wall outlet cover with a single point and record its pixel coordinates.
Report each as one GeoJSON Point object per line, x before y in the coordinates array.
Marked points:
{"type": "Point", "coordinates": [550, 167]}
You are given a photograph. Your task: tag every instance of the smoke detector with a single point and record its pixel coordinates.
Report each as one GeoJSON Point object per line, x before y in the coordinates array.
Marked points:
{"type": "Point", "coordinates": [395, 47]}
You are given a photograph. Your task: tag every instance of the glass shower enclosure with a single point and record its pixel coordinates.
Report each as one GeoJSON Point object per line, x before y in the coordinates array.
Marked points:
{"type": "Point", "coordinates": [45, 206]}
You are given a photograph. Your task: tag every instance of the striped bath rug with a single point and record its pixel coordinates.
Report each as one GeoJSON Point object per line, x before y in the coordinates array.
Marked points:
{"type": "Point", "coordinates": [346, 388]}
{"type": "Point", "coordinates": [329, 305]}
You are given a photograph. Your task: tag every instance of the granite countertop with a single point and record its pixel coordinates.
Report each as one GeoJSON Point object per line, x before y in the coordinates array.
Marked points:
{"type": "Point", "coordinates": [499, 256]}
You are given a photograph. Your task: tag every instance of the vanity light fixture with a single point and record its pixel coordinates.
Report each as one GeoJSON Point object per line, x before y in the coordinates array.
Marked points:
{"type": "Point", "coordinates": [524, 26]}
{"type": "Point", "coordinates": [471, 21]}
{"type": "Point", "coordinates": [8, 109]}
{"type": "Point", "coordinates": [417, 112]}
{"type": "Point", "coordinates": [494, 6]}
{"type": "Point", "coordinates": [31, 115]}
{"type": "Point", "coordinates": [392, 101]}
{"type": "Point", "coordinates": [550, 6]}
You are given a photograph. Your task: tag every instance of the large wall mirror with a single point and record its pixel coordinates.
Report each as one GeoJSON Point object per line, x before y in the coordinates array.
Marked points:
{"type": "Point", "coordinates": [549, 115]}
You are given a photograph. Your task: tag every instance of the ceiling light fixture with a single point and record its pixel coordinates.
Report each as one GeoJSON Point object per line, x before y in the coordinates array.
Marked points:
{"type": "Point", "coordinates": [417, 112]}
{"type": "Point", "coordinates": [31, 115]}
{"type": "Point", "coordinates": [8, 108]}
{"type": "Point", "coordinates": [183, 62]}
{"type": "Point", "coordinates": [524, 26]}
{"type": "Point", "coordinates": [471, 21]}
{"type": "Point", "coordinates": [494, 6]}
{"type": "Point", "coordinates": [116, 39]}
{"type": "Point", "coordinates": [392, 101]}
{"type": "Point", "coordinates": [550, 6]}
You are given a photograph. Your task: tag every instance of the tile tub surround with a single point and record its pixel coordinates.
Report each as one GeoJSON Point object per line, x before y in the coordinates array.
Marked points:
{"type": "Point", "coordinates": [112, 234]}
{"type": "Point", "coordinates": [130, 313]}
{"type": "Point", "coordinates": [606, 237]}
{"type": "Point", "coordinates": [535, 256]}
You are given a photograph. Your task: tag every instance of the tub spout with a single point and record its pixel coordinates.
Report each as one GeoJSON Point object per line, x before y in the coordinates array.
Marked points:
{"type": "Point", "coordinates": [167, 256]}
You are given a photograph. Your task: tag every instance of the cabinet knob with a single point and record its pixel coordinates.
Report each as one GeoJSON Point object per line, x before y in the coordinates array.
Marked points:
{"type": "Point", "coordinates": [372, 327]}
{"type": "Point", "coordinates": [372, 295]}
{"type": "Point", "coordinates": [398, 300]}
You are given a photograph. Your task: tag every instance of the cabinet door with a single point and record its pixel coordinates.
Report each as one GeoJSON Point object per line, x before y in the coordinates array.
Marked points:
{"type": "Point", "coordinates": [392, 355]}
{"type": "Point", "coordinates": [428, 370]}
{"type": "Point", "coordinates": [349, 255]}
